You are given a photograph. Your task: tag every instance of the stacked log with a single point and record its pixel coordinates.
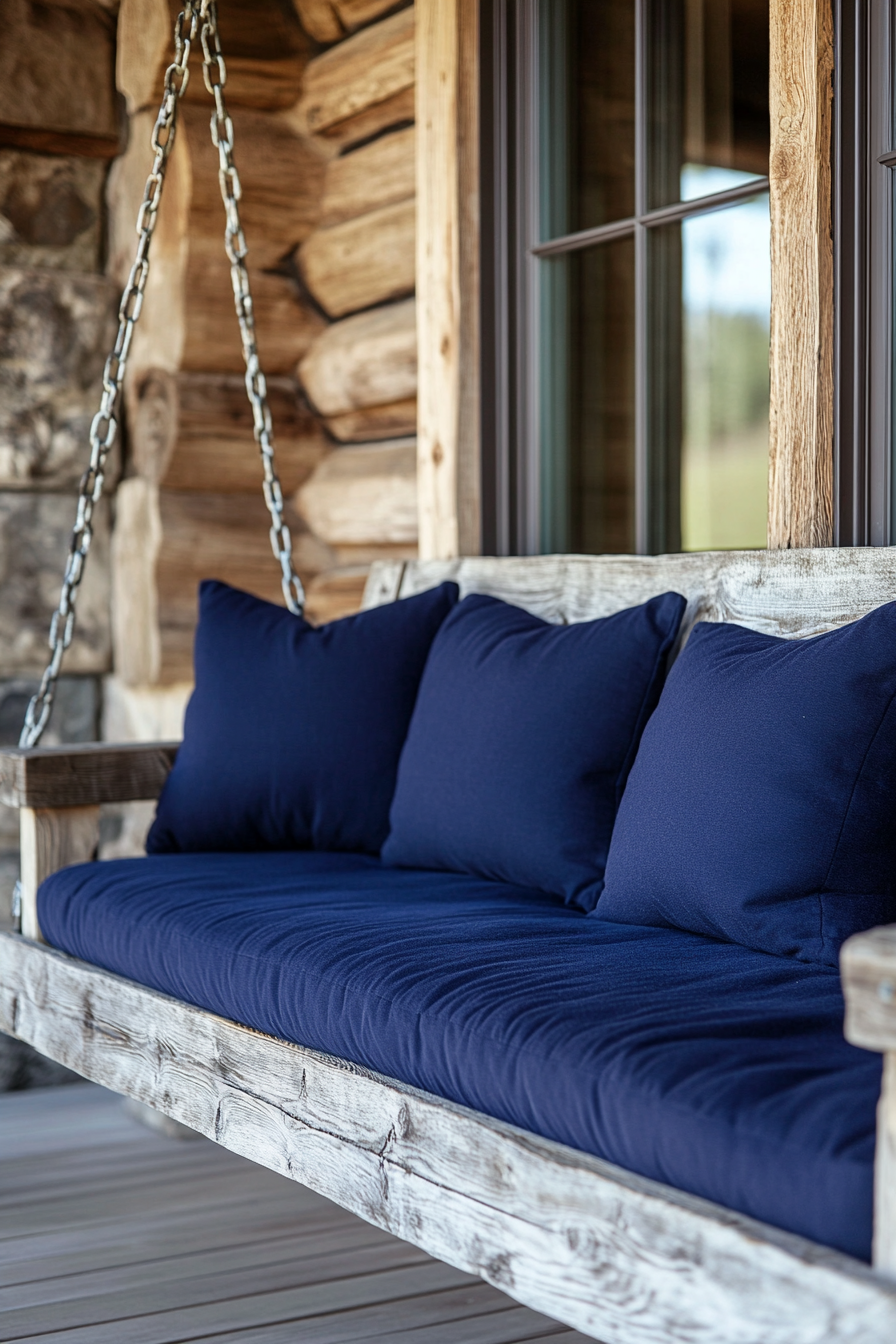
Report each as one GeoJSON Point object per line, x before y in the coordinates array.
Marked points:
{"type": "Point", "coordinates": [192, 507]}
{"type": "Point", "coordinates": [330, 228]}
{"type": "Point", "coordinates": [360, 374]}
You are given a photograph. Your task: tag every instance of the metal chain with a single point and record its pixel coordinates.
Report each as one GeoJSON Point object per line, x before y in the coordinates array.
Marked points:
{"type": "Point", "coordinates": [215, 76]}
{"type": "Point", "coordinates": [104, 428]}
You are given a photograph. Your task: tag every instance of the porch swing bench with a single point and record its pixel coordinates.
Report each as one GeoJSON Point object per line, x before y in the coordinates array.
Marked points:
{"type": "Point", "coordinates": [619, 1256]}
{"type": "Point", "coordinates": [630, 1107]}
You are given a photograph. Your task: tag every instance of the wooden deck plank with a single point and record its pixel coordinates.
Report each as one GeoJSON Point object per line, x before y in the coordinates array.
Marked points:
{"type": "Point", "coordinates": [110, 1232]}
{"type": "Point", "coordinates": [176, 1193]}
{"type": "Point", "coordinates": [288, 1304]}
{"type": "Point", "coordinates": [462, 1307]}
{"type": "Point", "coordinates": [308, 1244]}
{"type": "Point", "coordinates": [123, 1241]}
{"type": "Point", "coordinates": [284, 1271]}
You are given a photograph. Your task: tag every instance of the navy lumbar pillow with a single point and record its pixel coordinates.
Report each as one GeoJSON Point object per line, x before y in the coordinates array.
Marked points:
{"type": "Point", "coordinates": [521, 741]}
{"type": "Point", "coordinates": [761, 808]}
{"type": "Point", "coordinates": [293, 734]}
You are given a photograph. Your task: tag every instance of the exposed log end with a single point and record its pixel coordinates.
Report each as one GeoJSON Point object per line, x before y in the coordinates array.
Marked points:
{"type": "Point", "coordinates": [364, 496]}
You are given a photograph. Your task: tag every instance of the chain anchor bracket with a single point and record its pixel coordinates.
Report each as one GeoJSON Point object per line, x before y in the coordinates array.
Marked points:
{"type": "Point", "coordinates": [197, 18]}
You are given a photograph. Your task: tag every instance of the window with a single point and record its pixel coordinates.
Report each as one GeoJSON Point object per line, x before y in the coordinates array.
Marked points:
{"type": "Point", "coordinates": [864, 183]}
{"type": "Point", "coordinates": [626, 245]}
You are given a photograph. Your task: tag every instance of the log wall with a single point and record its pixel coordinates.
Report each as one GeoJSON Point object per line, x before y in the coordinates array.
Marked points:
{"type": "Point", "coordinates": [330, 228]}
{"type": "Point", "coordinates": [322, 101]}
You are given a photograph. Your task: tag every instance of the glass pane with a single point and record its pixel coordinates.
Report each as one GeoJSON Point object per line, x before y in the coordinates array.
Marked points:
{"type": "Point", "coordinates": [587, 396]}
{"type": "Point", "coordinates": [709, 121]}
{"type": "Point", "coordinates": [726, 297]}
{"type": "Point", "coordinates": [586, 113]}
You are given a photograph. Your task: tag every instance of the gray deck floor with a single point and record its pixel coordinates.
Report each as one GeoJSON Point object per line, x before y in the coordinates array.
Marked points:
{"type": "Point", "coordinates": [113, 1234]}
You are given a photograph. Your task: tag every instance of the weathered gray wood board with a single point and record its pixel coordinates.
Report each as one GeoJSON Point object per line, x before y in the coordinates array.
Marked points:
{"type": "Point", "coordinates": [620, 1258]}
{"type": "Point", "coordinates": [109, 1232]}
{"type": "Point", "coordinates": [868, 968]}
{"type": "Point", "coordinates": [793, 594]}
{"type": "Point", "coordinates": [80, 776]}
{"type": "Point", "coordinates": [365, 494]}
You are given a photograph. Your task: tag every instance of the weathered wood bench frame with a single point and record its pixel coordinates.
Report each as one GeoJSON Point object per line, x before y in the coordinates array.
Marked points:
{"type": "Point", "coordinates": [621, 1258]}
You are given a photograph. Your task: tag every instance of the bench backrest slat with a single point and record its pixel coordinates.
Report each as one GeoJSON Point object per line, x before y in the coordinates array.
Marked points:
{"type": "Point", "coordinates": [794, 594]}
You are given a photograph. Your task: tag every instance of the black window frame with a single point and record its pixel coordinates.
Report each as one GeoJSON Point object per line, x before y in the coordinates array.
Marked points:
{"type": "Point", "coordinates": [511, 251]}
{"type": "Point", "coordinates": [864, 159]}
{"type": "Point", "coordinates": [863, 163]}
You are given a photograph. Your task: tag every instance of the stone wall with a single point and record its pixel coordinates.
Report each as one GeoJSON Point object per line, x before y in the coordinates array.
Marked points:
{"type": "Point", "coordinates": [59, 130]}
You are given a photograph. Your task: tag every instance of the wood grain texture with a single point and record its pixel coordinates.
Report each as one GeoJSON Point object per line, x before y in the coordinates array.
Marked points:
{"type": "Point", "coordinates": [80, 776]}
{"type": "Point", "coordinates": [264, 46]}
{"type": "Point", "coordinates": [364, 495]}
{"type": "Point", "coordinates": [337, 593]}
{"type": "Point", "coordinates": [366, 360]}
{"type": "Point", "coordinates": [363, 261]}
{"type": "Point", "coordinates": [189, 431]}
{"type": "Point", "coordinates": [354, 14]}
{"type": "Point", "coordinates": [56, 75]}
{"type": "Point", "coordinates": [792, 594]}
{"type": "Point", "coordinates": [392, 113]}
{"type": "Point", "coordinates": [282, 179]}
{"type": "Point", "coordinates": [52, 838]}
{"type": "Point", "coordinates": [448, 277]}
{"type": "Point", "coordinates": [319, 19]}
{"type": "Point", "coordinates": [868, 972]}
{"type": "Point", "coordinates": [362, 72]}
{"type": "Point", "coordinates": [884, 1248]}
{"type": "Point", "coordinates": [620, 1258]}
{"type": "Point", "coordinates": [801, 470]}
{"type": "Point", "coordinates": [395, 420]}
{"type": "Point", "coordinates": [377, 174]}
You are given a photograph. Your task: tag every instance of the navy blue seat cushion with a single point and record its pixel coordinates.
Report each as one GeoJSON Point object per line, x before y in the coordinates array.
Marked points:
{"type": "Point", "coordinates": [719, 1070]}
{"type": "Point", "coordinates": [521, 742]}
{"type": "Point", "coordinates": [293, 734]}
{"type": "Point", "coordinates": [761, 805]}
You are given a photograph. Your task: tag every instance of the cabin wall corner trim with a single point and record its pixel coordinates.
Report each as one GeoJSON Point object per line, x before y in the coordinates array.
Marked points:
{"type": "Point", "coordinates": [801, 424]}
{"type": "Point", "coordinates": [448, 470]}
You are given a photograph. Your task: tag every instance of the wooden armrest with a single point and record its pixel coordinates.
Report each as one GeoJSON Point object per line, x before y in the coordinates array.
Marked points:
{"type": "Point", "coordinates": [83, 776]}
{"type": "Point", "coordinates": [868, 970]}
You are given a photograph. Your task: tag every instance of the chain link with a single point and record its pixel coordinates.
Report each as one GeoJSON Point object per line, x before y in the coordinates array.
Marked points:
{"type": "Point", "coordinates": [198, 16]}
{"type": "Point", "coordinates": [215, 75]}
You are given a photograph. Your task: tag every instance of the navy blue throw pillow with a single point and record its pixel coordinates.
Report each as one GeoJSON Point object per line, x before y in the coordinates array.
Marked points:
{"type": "Point", "coordinates": [293, 734]}
{"type": "Point", "coordinates": [761, 808]}
{"type": "Point", "coordinates": [521, 741]}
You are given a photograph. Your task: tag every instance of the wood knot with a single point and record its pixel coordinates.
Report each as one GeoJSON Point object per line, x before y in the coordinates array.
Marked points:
{"type": "Point", "coordinates": [438, 455]}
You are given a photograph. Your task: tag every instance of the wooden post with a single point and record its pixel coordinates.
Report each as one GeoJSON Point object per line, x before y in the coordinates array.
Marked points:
{"type": "Point", "coordinates": [884, 1252]}
{"type": "Point", "coordinates": [447, 277]}
{"type": "Point", "coordinates": [801, 461]}
{"type": "Point", "coordinates": [868, 973]}
{"type": "Point", "coordinates": [52, 838]}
